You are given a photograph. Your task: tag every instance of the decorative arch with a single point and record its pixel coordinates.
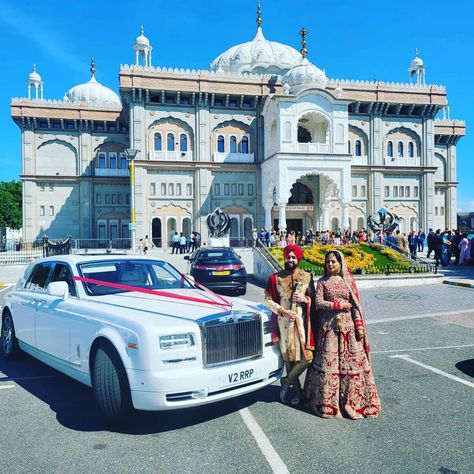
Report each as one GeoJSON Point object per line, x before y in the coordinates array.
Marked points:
{"type": "Point", "coordinates": [356, 133]}
{"type": "Point", "coordinates": [440, 162]}
{"type": "Point", "coordinates": [232, 132]}
{"type": "Point", "coordinates": [170, 125]}
{"type": "Point", "coordinates": [316, 124]}
{"type": "Point", "coordinates": [405, 136]}
{"type": "Point", "coordinates": [63, 152]}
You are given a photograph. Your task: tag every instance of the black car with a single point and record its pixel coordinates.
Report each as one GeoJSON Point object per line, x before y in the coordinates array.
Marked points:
{"type": "Point", "coordinates": [219, 269]}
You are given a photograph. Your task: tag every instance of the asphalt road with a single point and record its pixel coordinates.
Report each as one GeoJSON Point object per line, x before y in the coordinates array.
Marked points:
{"type": "Point", "coordinates": [49, 423]}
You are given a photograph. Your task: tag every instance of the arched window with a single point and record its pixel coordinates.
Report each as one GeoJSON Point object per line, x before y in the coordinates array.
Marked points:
{"type": "Point", "coordinates": [349, 147]}
{"type": "Point", "coordinates": [390, 149]}
{"type": "Point", "coordinates": [233, 144]}
{"type": "Point", "coordinates": [358, 148]}
{"type": "Point", "coordinates": [220, 144]}
{"type": "Point", "coordinates": [170, 142]}
{"type": "Point", "coordinates": [183, 142]}
{"type": "Point", "coordinates": [400, 149]}
{"type": "Point", "coordinates": [113, 160]}
{"type": "Point", "coordinates": [244, 145]}
{"type": "Point", "coordinates": [304, 136]}
{"type": "Point", "coordinates": [410, 150]}
{"type": "Point", "coordinates": [101, 163]}
{"type": "Point", "coordinates": [157, 141]}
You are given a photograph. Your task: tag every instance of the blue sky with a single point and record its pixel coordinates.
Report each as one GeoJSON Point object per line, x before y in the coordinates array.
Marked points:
{"type": "Point", "coordinates": [350, 39]}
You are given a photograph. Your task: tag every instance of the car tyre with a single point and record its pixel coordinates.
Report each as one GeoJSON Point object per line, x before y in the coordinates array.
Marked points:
{"type": "Point", "coordinates": [242, 292]}
{"type": "Point", "coordinates": [110, 384]}
{"type": "Point", "coordinates": [9, 343]}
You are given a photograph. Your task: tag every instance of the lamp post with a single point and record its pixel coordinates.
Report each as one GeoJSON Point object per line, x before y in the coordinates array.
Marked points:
{"type": "Point", "coordinates": [131, 154]}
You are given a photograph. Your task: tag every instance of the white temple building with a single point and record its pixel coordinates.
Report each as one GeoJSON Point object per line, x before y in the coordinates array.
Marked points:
{"type": "Point", "coordinates": [264, 134]}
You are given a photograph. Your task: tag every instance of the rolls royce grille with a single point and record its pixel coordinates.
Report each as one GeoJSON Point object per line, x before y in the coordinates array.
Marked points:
{"type": "Point", "coordinates": [229, 340]}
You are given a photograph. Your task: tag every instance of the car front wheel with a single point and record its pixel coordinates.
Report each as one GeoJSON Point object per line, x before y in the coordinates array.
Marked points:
{"type": "Point", "coordinates": [110, 384]}
{"type": "Point", "coordinates": [10, 348]}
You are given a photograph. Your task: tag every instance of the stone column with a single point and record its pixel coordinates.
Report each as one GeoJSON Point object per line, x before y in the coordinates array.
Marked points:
{"type": "Point", "coordinates": [268, 216]}
{"type": "Point", "coordinates": [345, 215]}
{"type": "Point", "coordinates": [282, 217]}
{"type": "Point", "coordinates": [325, 215]}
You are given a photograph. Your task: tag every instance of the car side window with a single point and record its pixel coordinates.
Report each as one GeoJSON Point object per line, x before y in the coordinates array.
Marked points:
{"type": "Point", "coordinates": [62, 272]}
{"type": "Point", "coordinates": [39, 277]}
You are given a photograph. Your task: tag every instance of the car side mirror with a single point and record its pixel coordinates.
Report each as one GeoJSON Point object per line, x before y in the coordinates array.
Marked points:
{"type": "Point", "coordinates": [186, 257]}
{"type": "Point", "coordinates": [59, 289]}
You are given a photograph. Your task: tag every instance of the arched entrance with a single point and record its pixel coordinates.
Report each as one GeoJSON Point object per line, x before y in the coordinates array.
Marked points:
{"type": "Point", "coordinates": [187, 226]}
{"type": "Point", "coordinates": [171, 227]}
{"type": "Point", "coordinates": [156, 232]}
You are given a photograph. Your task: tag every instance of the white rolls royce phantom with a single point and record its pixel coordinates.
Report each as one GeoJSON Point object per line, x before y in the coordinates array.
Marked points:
{"type": "Point", "coordinates": [138, 332]}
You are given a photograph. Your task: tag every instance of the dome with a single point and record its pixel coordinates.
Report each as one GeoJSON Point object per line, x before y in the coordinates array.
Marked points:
{"type": "Point", "coordinates": [416, 61]}
{"type": "Point", "coordinates": [258, 56]}
{"type": "Point", "coordinates": [92, 92]}
{"type": "Point", "coordinates": [34, 76]}
{"type": "Point", "coordinates": [305, 74]}
{"type": "Point", "coordinates": [142, 42]}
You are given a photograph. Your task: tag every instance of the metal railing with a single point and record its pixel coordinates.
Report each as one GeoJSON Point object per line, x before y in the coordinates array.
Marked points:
{"type": "Point", "coordinates": [86, 245]}
{"type": "Point", "coordinates": [268, 256]}
{"type": "Point", "coordinates": [22, 252]}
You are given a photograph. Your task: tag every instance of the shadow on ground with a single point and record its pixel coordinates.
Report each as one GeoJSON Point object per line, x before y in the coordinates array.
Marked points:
{"type": "Point", "coordinates": [75, 407]}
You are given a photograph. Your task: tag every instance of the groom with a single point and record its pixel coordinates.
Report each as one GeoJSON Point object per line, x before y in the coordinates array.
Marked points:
{"type": "Point", "coordinates": [290, 296]}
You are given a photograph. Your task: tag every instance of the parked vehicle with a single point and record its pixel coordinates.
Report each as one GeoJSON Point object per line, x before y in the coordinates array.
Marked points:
{"type": "Point", "coordinates": [138, 332]}
{"type": "Point", "coordinates": [219, 269]}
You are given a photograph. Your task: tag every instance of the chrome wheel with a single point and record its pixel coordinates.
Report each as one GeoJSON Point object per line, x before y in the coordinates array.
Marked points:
{"type": "Point", "coordinates": [9, 342]}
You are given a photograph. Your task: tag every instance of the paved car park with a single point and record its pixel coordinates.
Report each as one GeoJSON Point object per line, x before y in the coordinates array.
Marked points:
{"type": "Point", "coordinates": [422, 341]}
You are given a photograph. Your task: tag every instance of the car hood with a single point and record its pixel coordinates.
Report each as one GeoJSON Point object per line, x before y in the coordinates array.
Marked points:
{"type": "Point", "coordinates": [176, 308]}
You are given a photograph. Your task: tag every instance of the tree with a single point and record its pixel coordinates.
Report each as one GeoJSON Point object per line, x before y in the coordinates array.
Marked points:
{"type": "Point", "coordinates": [10, 204]}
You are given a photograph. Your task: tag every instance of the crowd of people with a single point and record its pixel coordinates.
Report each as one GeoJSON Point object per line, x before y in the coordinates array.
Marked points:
{"type": "Point", "coordinates": [448, 246]}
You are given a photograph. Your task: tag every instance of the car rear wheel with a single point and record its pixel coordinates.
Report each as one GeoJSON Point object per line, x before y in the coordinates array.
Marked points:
{"type": "Point", "coordinates": [110, 384]}
{"type": "Point", "coordinates": [9, 346]}
{"type": "Point", "coordinates": [242, 291]}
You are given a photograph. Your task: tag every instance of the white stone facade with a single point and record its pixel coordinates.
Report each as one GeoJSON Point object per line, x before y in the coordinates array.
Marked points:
{"type": "Point", "coordinates": [272, 148]}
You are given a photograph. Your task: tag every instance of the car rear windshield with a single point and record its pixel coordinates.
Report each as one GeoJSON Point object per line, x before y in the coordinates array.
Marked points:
{"type": "Point", "coordinates": [218, 257]}
{"type": "Point", "coordinates": [147, 274]}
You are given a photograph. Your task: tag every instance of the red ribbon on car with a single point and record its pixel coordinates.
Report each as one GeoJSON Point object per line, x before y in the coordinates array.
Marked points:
{"type": "Point", "coordinates": [138, 289]}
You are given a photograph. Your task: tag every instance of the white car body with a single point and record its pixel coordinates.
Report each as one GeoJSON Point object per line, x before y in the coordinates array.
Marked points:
{"type": "Point", "coordinates": [64, 331]}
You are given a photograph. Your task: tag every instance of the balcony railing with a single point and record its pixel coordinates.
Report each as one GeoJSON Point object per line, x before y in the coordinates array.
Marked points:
{"type": "Point", "coordinates": [233, 157]}
{"type": "Point", "coordinates": [313, 148]}
{"type": "Point", "coordinates": [108, 172]}
{"type": "Point", "coordinates": [360, 160]}
{"type": "Point", "coordinates": [170, 155]}
{"type": "Point", "coordinates": [402, 161]}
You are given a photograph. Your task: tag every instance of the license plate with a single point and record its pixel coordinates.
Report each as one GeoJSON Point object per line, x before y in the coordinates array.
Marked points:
{"type": "Point", "coordinates": [236, 378]}
{"type": "Point", "coordinates": [224, 272]}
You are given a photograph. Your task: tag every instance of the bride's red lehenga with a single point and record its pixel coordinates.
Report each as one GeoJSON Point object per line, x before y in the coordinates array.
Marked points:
{"type": "Point", "coordinates": [340, 382]}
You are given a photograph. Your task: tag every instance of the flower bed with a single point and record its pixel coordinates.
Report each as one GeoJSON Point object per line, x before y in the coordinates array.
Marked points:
{"type": "Point", "coordinates": [361, 258]}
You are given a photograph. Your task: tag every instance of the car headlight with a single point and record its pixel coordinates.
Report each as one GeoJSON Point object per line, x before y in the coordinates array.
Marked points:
{"type": "Point", "coordinates": [176, 341]}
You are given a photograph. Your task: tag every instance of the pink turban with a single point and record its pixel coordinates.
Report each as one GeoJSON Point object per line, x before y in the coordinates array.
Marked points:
{"type": "Point", "coordinates": [295, 249]}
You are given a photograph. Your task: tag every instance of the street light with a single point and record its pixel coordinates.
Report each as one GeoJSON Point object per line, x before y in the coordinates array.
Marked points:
{"type": "Point", "coordinates": [131, 154]}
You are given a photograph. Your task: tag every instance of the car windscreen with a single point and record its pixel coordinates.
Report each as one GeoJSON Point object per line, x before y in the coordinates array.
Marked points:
{"type": "Point", "coordinates": [217, 257]}
{"type": "Point", "coordinates": [146, 274]}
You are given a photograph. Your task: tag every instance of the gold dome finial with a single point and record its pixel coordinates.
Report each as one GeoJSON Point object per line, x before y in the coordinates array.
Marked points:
{"type": "Point", "coordinates": [303, 50]}
{"type": "Point", "coordinates": [92, 69]}
{"type": "Point", "coordinates": [34, 67]}
{"type": "Point", "coordinates": [416, 52]}
{"type": "Point", "coordinates": [142, 30]}
{"type": "Point", "coordinates": [259, 15]}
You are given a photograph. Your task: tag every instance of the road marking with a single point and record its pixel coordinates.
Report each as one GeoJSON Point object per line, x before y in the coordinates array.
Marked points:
{"type": "Point", "coordinates": [272, 457]}
{"type": "Point", "coordinates": [407, 358]}
{"type": "Point", "coordinates": [419, 316]}
{"type": "Point", "coordinates": [422, 349]}
{"type": "Point", "coordinates": [6, 386]}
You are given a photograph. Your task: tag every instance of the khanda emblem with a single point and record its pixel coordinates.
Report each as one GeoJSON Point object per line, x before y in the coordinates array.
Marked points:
{"type": "Point", "coordinates": [384, 220]}
{"type": "Point", "coordinates": [218, 223]}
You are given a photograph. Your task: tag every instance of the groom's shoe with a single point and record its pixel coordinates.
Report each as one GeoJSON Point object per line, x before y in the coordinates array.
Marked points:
{"type": "Point", "coordinates": [285, 388]}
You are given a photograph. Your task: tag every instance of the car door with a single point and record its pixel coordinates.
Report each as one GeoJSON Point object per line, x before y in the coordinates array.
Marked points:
{"type": "Point", "coordinates": [53, 317]}
{"type": "Point", "coordinates": [26, 301]}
